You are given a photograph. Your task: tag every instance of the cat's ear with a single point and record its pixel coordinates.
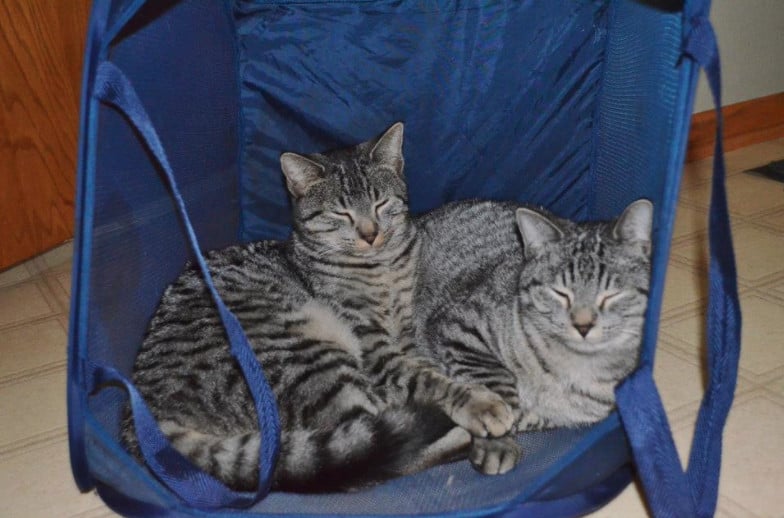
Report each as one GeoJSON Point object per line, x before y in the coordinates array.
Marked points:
{"type": "Point", "coordinates": [634, 225]}
{"type": "Point", "coordinates": [300, 172]}
{"type": "Point", "coordinates": [536, 230]}
{"type": "Point", "coordinates": [388, 149]}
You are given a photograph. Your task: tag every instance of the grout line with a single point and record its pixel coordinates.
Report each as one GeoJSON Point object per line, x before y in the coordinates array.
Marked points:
{"type": "Point", "coordinates": [32, 321]}
{"type": "Point", "coordinates": [732, 509]}
{"type": "Point", "coordinates": [33, 442]}
{"type": "Point", "coordinates": [42, 290]}
{"type": "Point", "coordinates": [96, 512]}
{"type": "Point", "coordinates": [27, 374]}
{"type": "Point", "coordinates": [24, 323]}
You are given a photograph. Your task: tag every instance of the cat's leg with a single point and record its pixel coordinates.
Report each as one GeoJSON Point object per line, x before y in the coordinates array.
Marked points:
{"type": "Point", "coordinates": [486, 371]}
{"type": "Point", "coordinates": [491, 455]}
{"type": "Point", "coordinates": [404, 375]}
{"type": "Point", "coordinates": [463, 352]}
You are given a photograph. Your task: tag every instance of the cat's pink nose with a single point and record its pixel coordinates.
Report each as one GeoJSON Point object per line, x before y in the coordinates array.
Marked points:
{"type": "Point", "coordinates": [583, 320]}
{"type": "Point", "coordinates": [367, 230]}
{"type": "Point", "coordinates": [583, 329]}
{"type": "Point", "coordinates": [370, 237]}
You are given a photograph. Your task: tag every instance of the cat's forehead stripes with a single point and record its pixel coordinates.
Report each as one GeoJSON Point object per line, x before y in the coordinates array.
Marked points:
{"type": "Point", "coordinates": [585, 255]}
{"type": "Point", "coordinates": [354, 181]}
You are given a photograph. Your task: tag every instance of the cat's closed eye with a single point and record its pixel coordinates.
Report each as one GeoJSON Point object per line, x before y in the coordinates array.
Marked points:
{"type": "Point", "coordinates": [605, 299]}
{"type": "Point", "coordinates": [344, 215]}
{"type": "Point", "coordinates": [563, 296]}
{"type": "Point", "coordinates": [380, 205]}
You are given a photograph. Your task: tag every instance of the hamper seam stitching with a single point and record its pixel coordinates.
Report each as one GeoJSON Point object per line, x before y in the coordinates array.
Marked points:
{"type": "Point", "coordinates": [596, 116]}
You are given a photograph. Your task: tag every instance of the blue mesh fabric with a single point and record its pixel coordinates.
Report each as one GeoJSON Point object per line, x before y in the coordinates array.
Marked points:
{"type": "Point", "coordinates": [138, 245]}
{"type": "Point", "coordinates": [573, 104]}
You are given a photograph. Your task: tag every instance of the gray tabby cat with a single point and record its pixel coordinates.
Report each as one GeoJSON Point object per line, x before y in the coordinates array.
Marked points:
{"type": "Point", "coordinates": [544, 312]}
{"type": "Point", "coordinates": [328, 314]}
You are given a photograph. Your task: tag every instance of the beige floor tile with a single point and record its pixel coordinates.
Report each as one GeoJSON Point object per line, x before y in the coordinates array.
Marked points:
{"type": "Point", "coordinates": [31, 407]}
{"type": "Point", "coordinates": [38, 483]}
{"type": "Point", "coordinates": [762, 335]}
{"type": "Point", "coordinates": [753, 156]}
{"type": "Point", "coordinates": [628, 504]}
{"type": "Point", "coordinates": [100, 512]}
{"type": "Point", "coordinates": [31, 346]}
{"type": "Point", "coordinates": [682, 287]}
{"type": "Point", "coordinates": [680, 381]}
{"type": "Point", "coordinates": [752, 469]}
{"type": "Point", "coordinates": [64, 279]}
{"type": "Point", "coordinates": [758, 252]}
{"type": "Point", "coordinates": [748, 195]}
{"type": "Point", "coordinates": [774, 220]}
{"type": "Point", "coordinates": [57, 259]}
{"type": "Point", "coordinates": [776, 386]}
{"type": "Point", "coordinates": [697, 173]}
{"type": "Point", "coordinates": [22, 302]}
{"type": "Point", "coordinates": [693, 250]}
{"type": "Point", "coordinates": [777, 287]}
{"type": "Point", "coordinates": [735, 161]}
{"type": "Point", "coordinates": [686, 328]}
{"type": "Point", "coordinates": [689, 221]}
{"type": "Point", "coordinates": [14, 275]}
{"type": "Point", "coordinates": [58, 289]}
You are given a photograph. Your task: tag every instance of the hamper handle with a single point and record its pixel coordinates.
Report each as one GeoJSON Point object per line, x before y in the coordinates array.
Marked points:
{"type": "Point", "coordinates": [191, 484]}
{"type": "Point", "coordinates": [670, 491]}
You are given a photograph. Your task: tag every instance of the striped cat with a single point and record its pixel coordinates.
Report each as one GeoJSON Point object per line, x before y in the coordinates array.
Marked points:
{"type": "Point", "coordinates": [544, 312]}
{"type": "Point", "coordinates": [328, 314]}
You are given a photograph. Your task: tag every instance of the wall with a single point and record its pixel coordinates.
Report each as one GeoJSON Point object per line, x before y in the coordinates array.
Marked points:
{"type": "Point", "coordinates": [751, 43]}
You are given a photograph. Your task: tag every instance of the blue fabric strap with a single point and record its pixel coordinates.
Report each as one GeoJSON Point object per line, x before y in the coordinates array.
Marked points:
{"type": "Point", "coordinates": [192, 485]}
{"type": "Point", "coordinates": [671, 492]}
{"type": "Point", "coordinates": [724, 316]}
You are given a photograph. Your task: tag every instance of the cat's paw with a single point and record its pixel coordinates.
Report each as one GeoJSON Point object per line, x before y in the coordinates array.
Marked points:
{"type": "Point", "coordinates": [530, 422]}
{"type": "Point", "coordinates": [484, 414]}
{"type": "Point", "coordinates": [494, 456]}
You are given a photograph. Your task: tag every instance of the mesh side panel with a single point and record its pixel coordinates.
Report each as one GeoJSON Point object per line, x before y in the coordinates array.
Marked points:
{"type": "Point", "coordinates": [499, 101]}
{"type": "Point", "coordinates": [498, 97]}
{"type": "Point", "coordinates": [454, 488]}
{"type": "Point", "coordinates": [138, 244]}
{"type": "Point", "coordinates": [637, 111]}
{"type": "Point", "coordinates": [643, 114]}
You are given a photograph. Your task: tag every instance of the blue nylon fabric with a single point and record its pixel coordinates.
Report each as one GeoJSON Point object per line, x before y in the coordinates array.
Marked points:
{"type": "Point", "coordinates": [671, 492]}
{"type": "Point", "coordinates": [186, 480]}
{"type": "Point", "coordinates": [538, 144]}
{"type": "Point", "coordinates": [724, 315]}
{"type": "Point", "coordinates": [498, 98]}
{"type": "Point", "coordinates": [191, 484]}
{"type": "Point", "coordinates": [76, 395]}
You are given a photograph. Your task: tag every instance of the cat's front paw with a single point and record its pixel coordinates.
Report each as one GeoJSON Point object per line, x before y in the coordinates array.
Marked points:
{"type": "Point", "coordinates": [484, 413]}
{"type": "Point", "coordinates": [494, 456]}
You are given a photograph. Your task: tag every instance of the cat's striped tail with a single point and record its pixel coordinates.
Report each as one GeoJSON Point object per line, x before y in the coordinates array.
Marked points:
{"type": "Point", "coordinates": [363, 451]}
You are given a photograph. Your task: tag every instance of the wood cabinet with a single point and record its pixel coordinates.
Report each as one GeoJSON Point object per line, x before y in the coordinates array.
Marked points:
{"type": "Point", "coordinates": [41, 48]}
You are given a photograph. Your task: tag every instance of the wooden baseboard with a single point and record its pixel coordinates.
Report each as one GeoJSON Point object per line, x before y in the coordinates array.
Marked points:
{"type": "Point", "coordinates": [745, 123]}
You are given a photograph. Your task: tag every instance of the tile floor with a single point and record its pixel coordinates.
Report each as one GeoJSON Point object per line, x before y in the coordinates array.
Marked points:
{"type": "Point", "coordinates": [35, 478]}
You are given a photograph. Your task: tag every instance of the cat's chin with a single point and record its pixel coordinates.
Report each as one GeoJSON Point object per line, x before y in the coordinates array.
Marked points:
{"type": "Point", "coordinates": [587, 346]}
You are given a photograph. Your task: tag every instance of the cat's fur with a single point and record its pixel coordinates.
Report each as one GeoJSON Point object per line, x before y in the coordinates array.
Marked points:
{"type": "Point", "coordinates": [545, 312]}
{"type": "Point", "coordinates": [329, 316]}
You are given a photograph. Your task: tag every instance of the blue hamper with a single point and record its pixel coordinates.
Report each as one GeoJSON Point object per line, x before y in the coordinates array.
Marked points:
{"type": "Point", "coordinates": [578, 105]}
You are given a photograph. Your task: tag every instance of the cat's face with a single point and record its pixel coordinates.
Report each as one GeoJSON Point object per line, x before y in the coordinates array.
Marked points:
{"type": "Point", "coordinates": [353, 201]}
{"type": "Point", "coordinates": [586, 286]}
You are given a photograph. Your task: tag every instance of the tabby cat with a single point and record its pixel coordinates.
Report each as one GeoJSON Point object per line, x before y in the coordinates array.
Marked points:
{"type": "Point", "coordinates": [545, 312]}
{"type": "Point", "coordinates": [328, 314]}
